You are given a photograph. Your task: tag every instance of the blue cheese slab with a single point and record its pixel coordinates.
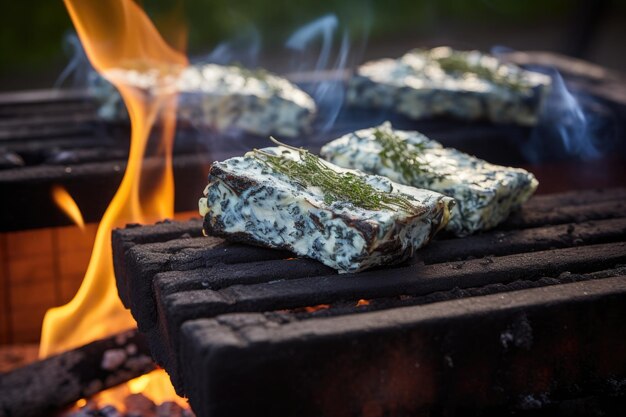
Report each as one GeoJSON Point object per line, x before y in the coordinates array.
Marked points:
{"type": "Point", "coordinates": [249, 201]}
{"type": "Point", "coordinates": [225, 98]}
{"type": "Point", "coordinates": [444, 82]}
{"type": "Point", "coordinates": [485, 193]}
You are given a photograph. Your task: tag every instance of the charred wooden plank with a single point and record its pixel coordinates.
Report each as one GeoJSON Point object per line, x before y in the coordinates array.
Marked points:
{"type": "Point", "coordinates": [23, 110]}
{"type": "Point", "coordinates": [565, 214]}
{"type": "Point", "coordinates": [295, 286]}
{"type": "Point", "coordinates": [50, 384]}
{"type": "Point", "coordinates": [525, 240]}
{"type": "Point", "coordinates": [41, 121]}
{"type": "Point", "coordinates": [547, 202]}
{"type": "Point", "coordinates": [375, 304]}
{"type": "Point", "coordinates": [216, 278]}
{"type": "Point", "coordinates": [143, 262]}
{"type": "Point", "coordinates": [28, 133]}
{"type": "Point", "coordinates": [414, 280]}
{"type": "Point", "coordinates": [44, 145]}
{"type": "Point", "coordinates": [140, 266]}
{"type": "Point", "coordinates": [133, 234]}
{"type": "Point", "coordinates": [491, 353]}
{"type": "Point", "coordinates": [43, 96]}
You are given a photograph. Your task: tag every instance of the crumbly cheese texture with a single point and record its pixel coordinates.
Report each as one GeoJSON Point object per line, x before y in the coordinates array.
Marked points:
{"type": "Point", "coordinates": [226, 98]}
{"type": "Point", "coordinates": [248, 201]}
{"type": "Point", "coordinates": [485, 193]}
{"type": "Point", "coordinates": [468, 85]}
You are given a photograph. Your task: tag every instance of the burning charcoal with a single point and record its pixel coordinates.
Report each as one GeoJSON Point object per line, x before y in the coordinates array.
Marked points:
{"type": "Point", "coordinates": [83, 412]}
{"type": "Point", "coordinates": [91, 409]}
{"type": "Point", "coordinates": [10, 160]}
{"type": "Point", "coordinates": [169, 409]}
{"type": "Point", "coordinates": [81, 372]}
{"type": "Point", "coordinates": [110, 411]}
{"type": "Point", "coordinates": [138, 405]}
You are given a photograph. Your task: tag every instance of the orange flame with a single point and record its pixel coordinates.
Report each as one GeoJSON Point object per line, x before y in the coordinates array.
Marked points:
{"type": "Point", "coordinates": [66, 203]}
{"type": "Point", "coordinates": [125, 48]}
{"type": "Point", "coordinates": [362, 302]}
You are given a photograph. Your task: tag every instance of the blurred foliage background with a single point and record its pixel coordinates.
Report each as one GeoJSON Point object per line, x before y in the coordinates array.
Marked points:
{"type": "Point", "coordinates": [32, 32]}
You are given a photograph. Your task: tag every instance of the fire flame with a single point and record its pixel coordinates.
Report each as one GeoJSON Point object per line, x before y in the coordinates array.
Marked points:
{"type": "Point", "coordinates": [124, 47]}
{"type": "Point", "coordinates": [66, 203]}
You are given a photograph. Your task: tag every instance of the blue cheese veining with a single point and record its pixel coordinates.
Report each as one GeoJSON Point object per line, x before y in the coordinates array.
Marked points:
{"type": "Point", "coordinates": [226, 97]}
{"type": "Point", "coordinates": [248, 200]}
{"type": "Point", "coordinates": [485, 193]}
{"type": "Point", "coordinates": [442, 81]}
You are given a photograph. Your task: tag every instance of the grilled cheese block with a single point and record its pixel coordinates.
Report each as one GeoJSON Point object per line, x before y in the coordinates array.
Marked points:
{"type": "Point", "coordinates": [375, 221]}
{"type": "Point", "coordinates": [485, 193]}
{"type": "Point", "coordinates": [444, 82]}
{"type": "Point", "coordinates": [226, 98]}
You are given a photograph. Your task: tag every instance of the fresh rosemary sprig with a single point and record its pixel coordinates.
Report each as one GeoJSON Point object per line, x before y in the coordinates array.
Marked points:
{"type": "Point", "coordinates": [310, 171]}
{"type": "Point", "coordinates": [457, 63]}
{"type": "Point", "coordinates": [406, 158]}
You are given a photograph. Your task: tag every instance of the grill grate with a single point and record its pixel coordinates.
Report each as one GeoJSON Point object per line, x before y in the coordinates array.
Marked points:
{"type": "Point", "coordinates": [241, 328]}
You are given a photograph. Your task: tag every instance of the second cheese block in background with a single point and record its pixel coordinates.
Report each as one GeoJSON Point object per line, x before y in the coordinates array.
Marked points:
{"type": "Point", "coordinates": [485, 193]}
{"type": "Point", "coordinates": [444, 82]}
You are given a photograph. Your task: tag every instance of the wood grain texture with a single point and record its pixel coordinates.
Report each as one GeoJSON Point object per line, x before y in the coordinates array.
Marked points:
{"type": "Point", "coordinates": [48, 385]}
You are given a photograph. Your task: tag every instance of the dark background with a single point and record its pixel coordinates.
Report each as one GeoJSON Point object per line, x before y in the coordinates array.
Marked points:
{"type": "Point", "coordinates": [32, 32]}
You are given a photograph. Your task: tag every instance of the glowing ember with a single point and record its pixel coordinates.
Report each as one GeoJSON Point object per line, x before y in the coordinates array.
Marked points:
{"type": "Point", "coordinates": [125, 47]}
{"type": "Point", "coordinates": [66, 203]}
{"type": "Point", "coordinates": [362, 303]}
{"type": "Point", "coordinates": [313, 309]}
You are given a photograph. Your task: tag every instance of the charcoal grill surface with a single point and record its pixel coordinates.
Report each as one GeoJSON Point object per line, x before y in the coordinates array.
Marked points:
{"type": "Point", "coordinates": [525, 315]}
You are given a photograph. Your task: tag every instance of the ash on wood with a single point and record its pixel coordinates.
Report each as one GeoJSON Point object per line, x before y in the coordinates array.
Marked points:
{"type": "Point", "coordinates": [50, 384]}
{"type": "Point", "coordinates": [542, 260]}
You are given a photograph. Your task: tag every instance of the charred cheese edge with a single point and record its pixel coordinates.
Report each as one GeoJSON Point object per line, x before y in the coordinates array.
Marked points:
{"type": "Point", "coordinates": [485, 193]}
{"type": "Point", "coordinates": [442, 81]}
{"type": "Point", "coordinates": [226, 98]}
{"type": "Point", "coordinates": [247, 201]}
